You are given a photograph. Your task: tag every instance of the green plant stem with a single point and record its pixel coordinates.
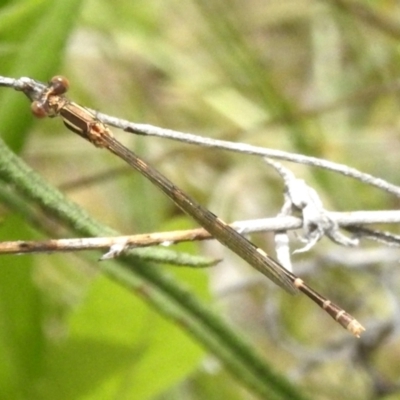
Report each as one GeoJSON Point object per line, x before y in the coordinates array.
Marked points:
{"type": "Point", "coordinates": [167, 296]}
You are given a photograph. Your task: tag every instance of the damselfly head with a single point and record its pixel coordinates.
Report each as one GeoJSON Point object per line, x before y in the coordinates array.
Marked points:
{"type": "Point", "coordinates": [39, 109]}
{"type": "Point", "coordinates": [59, 84]}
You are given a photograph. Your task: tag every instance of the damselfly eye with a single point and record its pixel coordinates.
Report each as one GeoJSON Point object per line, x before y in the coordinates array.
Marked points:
{"type": "Point", "coordinates": [59, 84]}
{"type": "Point", "coordinates": [38, 110]}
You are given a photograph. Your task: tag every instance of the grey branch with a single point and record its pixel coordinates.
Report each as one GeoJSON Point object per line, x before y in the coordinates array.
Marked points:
{"type": "Point", "coordinates": [348, 220]}
{"type": "Point", "coordinates": [149, 130]}
{"type": "Point", "coordinates": [352, 221]}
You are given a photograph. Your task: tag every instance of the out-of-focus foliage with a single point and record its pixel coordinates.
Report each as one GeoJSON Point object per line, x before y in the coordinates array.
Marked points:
{"type": "Point", "coordinates": [317, 77]}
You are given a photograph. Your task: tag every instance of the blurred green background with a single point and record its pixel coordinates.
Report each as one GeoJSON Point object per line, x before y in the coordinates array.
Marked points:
{"type": "Point", "coordinates": [313, 77]}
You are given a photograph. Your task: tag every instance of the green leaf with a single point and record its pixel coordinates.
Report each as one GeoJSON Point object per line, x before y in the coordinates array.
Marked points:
{"type": "Point", "coordinates": [118, 348]}
{"type": "Point", "coordinates": [37, 53]}
{"type": "Point", "coordinates": [21, 336]}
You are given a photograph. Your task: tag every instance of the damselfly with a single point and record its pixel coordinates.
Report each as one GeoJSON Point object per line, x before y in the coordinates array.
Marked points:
{"type": "Point", "coordinates": [52, 102]}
